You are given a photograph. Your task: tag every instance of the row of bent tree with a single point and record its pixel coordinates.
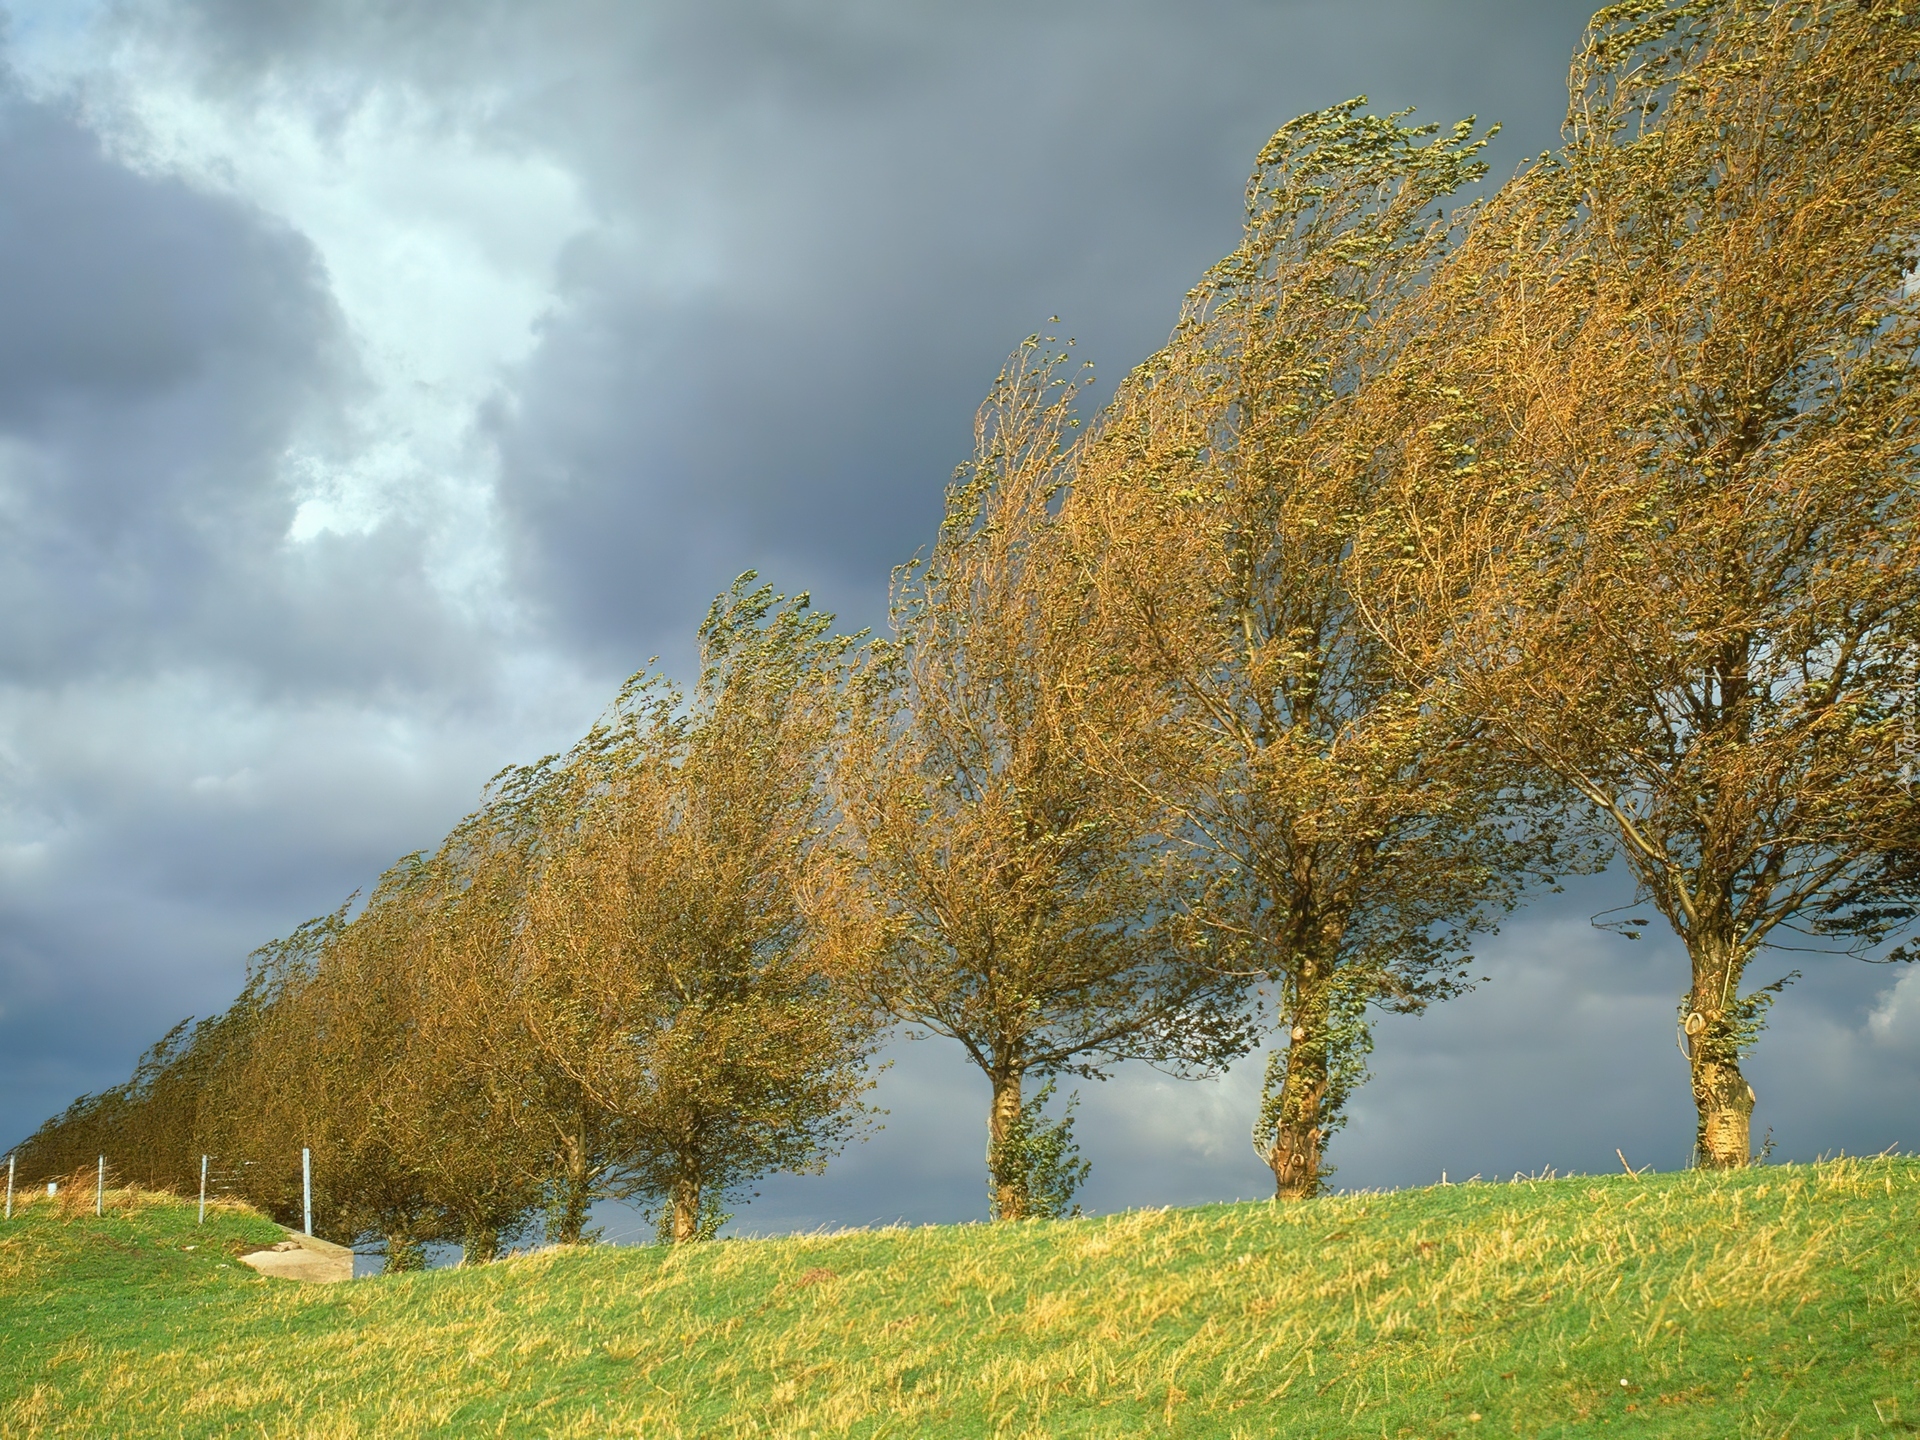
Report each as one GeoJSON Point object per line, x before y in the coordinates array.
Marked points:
{"type": "Point", "coordinates": [1441, 552]}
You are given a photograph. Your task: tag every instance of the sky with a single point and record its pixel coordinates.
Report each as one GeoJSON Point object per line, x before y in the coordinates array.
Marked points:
{"type": "Point", "coordinates": [381, 383]}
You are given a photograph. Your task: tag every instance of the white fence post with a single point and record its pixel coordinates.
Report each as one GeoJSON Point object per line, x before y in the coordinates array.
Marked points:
{"type": "Point", "coordinates": [203, 1190]}
{"type": "Point", "coordinates": [306, 1188]}
{"type": "Point", "coordinates": [9, 1187]}
{"type": "Point", "coordinates": [100, 1188]}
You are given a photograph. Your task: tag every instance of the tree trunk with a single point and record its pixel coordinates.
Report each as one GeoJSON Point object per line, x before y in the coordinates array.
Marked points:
{"type": "Point", "coordinates": [1294, 1148]}
{"type": "Point", "coordinates": [1006, 1173]}
{"type": "Point", "coordinates": [575, 1193]}
{"type": "Point", "coordinates": [1723, 1137]}
{"type": "Point", "coordinates": [479, 1245]}
{"type": "Point", "coordinates": [686, 1211]}
{"type": "Point", "coordinates": [404, 1251]}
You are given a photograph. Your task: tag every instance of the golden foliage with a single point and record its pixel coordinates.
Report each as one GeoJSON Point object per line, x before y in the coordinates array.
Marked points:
{"type": "Point", "coordinates": [1354, 834]}
{"type": "Point", "coordinates": [1657, 502]}
{"type": "Point", "coordinates": [1033, 909]}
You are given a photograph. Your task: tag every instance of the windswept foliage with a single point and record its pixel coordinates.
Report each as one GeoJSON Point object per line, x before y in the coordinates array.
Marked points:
{"type": "Point", "coordinates": [628, 973]}
{"type": "Point", "coordinates": [686, 960]}
{"type": "Point", "coordinates": [1355, 835]}
{"type": "Point", "coordinates": [1032, 909]}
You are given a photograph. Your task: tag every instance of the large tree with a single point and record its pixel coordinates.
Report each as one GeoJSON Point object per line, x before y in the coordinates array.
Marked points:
{"type": "Point", "coordinates": [1658, 519]}
{"type": "Point", "coordinates": [1356, 834]}
{"type": "Point", "coordinates": [1032, 908]}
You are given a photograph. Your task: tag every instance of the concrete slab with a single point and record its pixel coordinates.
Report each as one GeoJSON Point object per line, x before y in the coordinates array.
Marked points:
{"type": "Point", "coordinates": [302, 1257]}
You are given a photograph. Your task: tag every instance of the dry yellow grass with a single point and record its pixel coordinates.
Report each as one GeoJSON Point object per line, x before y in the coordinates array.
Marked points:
{"type": "Point", "coordinates": [1780, 1301]}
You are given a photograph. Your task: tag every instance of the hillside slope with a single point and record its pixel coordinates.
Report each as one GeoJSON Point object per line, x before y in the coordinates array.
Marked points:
{"type": "Point", "coordinates": [1782, 1301]}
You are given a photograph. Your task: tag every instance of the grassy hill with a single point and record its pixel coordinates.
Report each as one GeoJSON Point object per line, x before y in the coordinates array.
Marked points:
{"type": "Point", "coordinates": [1782, 1301]}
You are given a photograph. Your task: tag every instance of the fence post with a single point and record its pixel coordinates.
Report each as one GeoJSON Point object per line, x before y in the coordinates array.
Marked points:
{"type": "Point", "coordinates": [100, 1188]}
{"type": "Point", "coordinates": [9, 1187]}
{"type": "Point", "coordinates": [203, 1190]}
{"type": "Point", "coordinates": [306, 1189]}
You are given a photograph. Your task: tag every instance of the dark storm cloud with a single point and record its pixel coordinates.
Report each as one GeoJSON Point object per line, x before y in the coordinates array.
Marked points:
{"type": "Point", "coordinates": [160, 348]}
{"type": "Point", "coordinates": [825, 226]}
{"type": "Point", "coordinates": [887, 211]}
{"type": "Point", "coordinates": [138, 321]}
{"type": "Point", "coordinates": [188, 761]}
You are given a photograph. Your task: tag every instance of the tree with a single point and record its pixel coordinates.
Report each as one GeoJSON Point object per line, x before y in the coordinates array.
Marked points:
{"type": "Point", "coordinates": [330, 1066]}
{"type": "Point", "coordinates": [386, 1055]}
{"type": "Point", "coordinates": [493, 1018]}
{"type": "Point", "coordinates": [1657, 520]}
{"type": "Point", "coordinates": [686, 961]}
{"type": "Point", "coordinates": [576, 994]}
{"type": "Point", "coordinates": [355, 1029]}
{"type": "Point", "coordinates": [1031, 908]}
{"type": "Point", "coordinates": [528, 1142]}
{"type": "Point", "coordinates": [255, 1091]}
{"type": "Point", "coordinates": [1356, 835]}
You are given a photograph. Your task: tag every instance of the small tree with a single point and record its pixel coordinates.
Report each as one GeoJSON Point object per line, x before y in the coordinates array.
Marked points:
{"type": "Point", "coordinates": [1031, 908]}
{"type": "Point", "coordinates": [332, 1069]}
{"type": "Point", "coordinates": [685, 961]}
{"type": "Point", "coordinates": [1658, 516]}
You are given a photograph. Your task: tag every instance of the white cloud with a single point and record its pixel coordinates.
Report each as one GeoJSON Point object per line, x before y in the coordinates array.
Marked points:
{"type": "Point", "coordinates": [440, 248]}
{"type": "Point", "coordinates": [1895, 1019]}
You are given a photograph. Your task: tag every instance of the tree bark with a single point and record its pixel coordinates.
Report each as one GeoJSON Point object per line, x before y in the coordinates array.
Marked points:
{"type": "Point", "coordinates": [1295, 1151]}
{"type": "Point", "coordinates": [576, 1192]}
{"type": "Point", "coordinates": [479, 1245]}
{"type": "Point", "coordinates": [1009, 1183]}
{"type": "Point", "coordinates": [686, 1211]}
{"type": "Point", "coordinates": [404, 1251]}
{"type": "Point", "coordinates": [1721, 1096]}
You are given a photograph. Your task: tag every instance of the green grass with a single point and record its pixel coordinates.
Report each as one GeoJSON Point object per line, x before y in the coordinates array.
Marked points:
{"type": "Point", "coordinates": [1782, 1301]}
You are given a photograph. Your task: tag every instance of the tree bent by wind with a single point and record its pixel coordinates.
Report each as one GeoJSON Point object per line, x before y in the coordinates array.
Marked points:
{"type": "Point", "coordinates": [1354, 835]}
{"type": "Point", "coordinates": [1027, 907]}
{"type": "Point", "coordinates": [1657, 517]}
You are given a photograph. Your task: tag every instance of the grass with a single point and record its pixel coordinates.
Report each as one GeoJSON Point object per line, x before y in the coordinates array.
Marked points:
{"type": "Point", "coordinates": [1783, 1301]}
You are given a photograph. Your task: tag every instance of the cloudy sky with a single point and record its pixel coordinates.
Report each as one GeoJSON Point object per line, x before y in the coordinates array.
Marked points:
{"type": "Point", "coordinates": [381, 382]}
